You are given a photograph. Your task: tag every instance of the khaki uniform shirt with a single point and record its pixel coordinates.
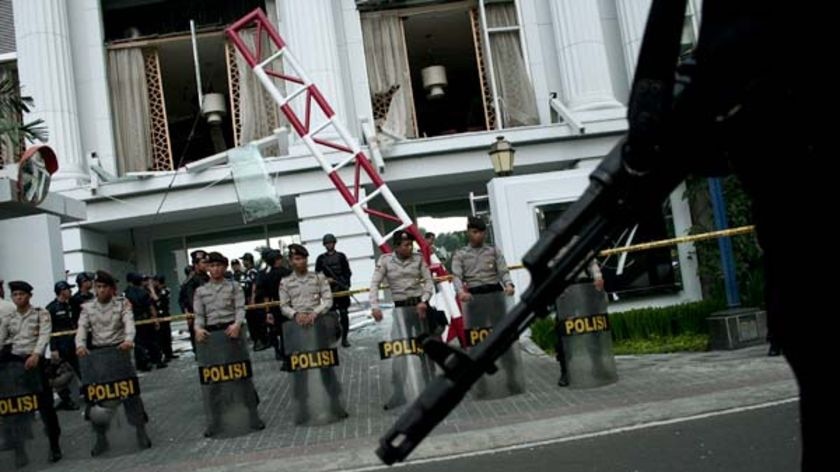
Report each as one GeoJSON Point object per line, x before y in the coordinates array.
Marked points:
{"type": "Point", "coordinates": [308, 293]}
{"type": "Point", "coordinates": [476, 266]}
{"type": "Point", "coordinates": [407, 278]}
{"type": "Point", "coordinates": [219, 302]}
{"type": "Point", "coordinates": [28, 332]}
{"type": "Point", "coordinates": [109, 323]}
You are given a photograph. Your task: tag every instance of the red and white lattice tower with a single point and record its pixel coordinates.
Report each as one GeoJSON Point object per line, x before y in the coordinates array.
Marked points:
{"type": "Point", "coordinates": [270, 67]}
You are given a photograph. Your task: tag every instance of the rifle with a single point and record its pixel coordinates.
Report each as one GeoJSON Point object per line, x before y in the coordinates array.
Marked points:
{"type": "Point", "coordinates": [632, 180]}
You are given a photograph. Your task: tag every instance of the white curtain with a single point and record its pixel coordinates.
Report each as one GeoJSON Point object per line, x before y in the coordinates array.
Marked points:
{"type": "Point", "coordinates": [387, 66]}
{"type": "Point", "coordinates": [259, 114]}
{"type": "Point", "coordinates": [130, 101]}
{"type": "Point", "coordinates": [517, 101]}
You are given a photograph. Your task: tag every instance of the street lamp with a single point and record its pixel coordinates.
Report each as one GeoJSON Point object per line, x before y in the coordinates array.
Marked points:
{"type": "Point", "coordinates": [501, 154]}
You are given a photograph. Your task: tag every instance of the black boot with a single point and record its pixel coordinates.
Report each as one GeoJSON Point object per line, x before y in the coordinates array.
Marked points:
{"type": "Point", "coordinates": [21, 458]}
{"type": "Point", "coordinates": [55, 454]}
{"type": "Point", "coordinates": [563, 381]}
{"type": "Point", "coordinates": [143, 441]}
{"type": "Point", "coordinates": [101, 444]}
{"type": "Point", "coordinates": [213, 428]}
{"type": "Point", "coordinates": [256, 423]}
{"type": "Point", "coordinates": [66, 404]}
{"type": "Point", "coordinates": [345, 342]}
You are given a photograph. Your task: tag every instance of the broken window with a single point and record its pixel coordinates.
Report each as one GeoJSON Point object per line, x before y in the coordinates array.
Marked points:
{"type": "Point", "coordinates": [160, 124]}
{"type": "Point", "coordinates": [428, 68]}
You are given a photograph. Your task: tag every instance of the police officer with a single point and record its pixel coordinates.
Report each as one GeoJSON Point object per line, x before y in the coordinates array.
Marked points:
{"type": "Point", "coordinates": [481, 274]}
{"type": "Point", "coordinates": [269, 325]}
{"type": "Point", "coordinates": [110, 322]}
{"type": "Point", "coordinates": [480, 268]}
{"type": "Point", "coordinates": [146, 349]}
{"type": "Point", "coordinates": [197, 279]}
{"type": "Point", "coordinates": [63, 347]}
{"type": "Point", "coordinates": [220, 306]}
{"type": "Point", "coordinates": [24, 335]}
{"type": "Point", "coordinates": [161, 292]}
{"type": "Point", "coordinates": [334, 265]}
{"type": "Point", "coordinates": [236, 268]}
{"type": "Point", "coordinates": [253, 317]}
{"type": "Point", "coordinates": [304, 297]}
{"type": "Point", "coordinates": [84, 280]}
{"type": "Point", "coordinates": [411, 286]}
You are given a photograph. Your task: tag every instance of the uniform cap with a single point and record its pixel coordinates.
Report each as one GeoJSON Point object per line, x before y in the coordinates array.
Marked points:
{"type": "Point", "coordinates": [20, 286]}
{"type": "Point", "coordinates": [475, 222]}
{"type": "Point", "coordinates": [297, 250]}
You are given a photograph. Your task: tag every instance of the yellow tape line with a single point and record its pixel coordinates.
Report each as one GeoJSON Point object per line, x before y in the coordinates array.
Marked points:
{"type": "Point", "coordinates": [607, 252]}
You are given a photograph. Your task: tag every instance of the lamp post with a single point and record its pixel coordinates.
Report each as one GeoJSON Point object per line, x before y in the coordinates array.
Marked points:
{"type": "Point", "coordinates": [501, 155]}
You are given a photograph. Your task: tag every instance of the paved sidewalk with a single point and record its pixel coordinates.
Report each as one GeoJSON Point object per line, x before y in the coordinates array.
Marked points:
{"type": "Point", "coordinates": [650, 388]}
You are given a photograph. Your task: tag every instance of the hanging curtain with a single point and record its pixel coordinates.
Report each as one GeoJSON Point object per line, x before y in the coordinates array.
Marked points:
{"type": "Point", "coordinates": [259, 115]}
{"type": "Point", "coordinates": [130, 101]}
{"type": "Point", "coordinates": [517, 101]}
{"type": "Point", "coordinates": [388, 74]}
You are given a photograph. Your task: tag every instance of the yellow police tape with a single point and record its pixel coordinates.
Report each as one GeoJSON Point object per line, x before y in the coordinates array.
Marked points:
{"type": "Point", "coordinates": [669, 242]}
{"type": "Point", "coordinates": [607, 252]}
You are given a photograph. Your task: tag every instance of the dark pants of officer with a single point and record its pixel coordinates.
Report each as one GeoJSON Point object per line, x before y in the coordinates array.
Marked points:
{"type": "Point", "coordinates": [135, 414]}
{"type": "Point", "coordinates": [342, 305]}
{"type": "Point", "coordinates": [146, 349]}
{"type": "Point", "coordinates": [191, 329]}
{"type": "Point", "coordinates": [66, 347]}
{"type": "Point", "coordinates": [274, 333]}
{"type": "Point", "coordinates": [400, 364]}
{"type": "Point", "coordinates": [45, 398]}
{"type": "Point", "coordinates": [135, 411]}
{"type": "Point", "coordinates": [300, 387]}
{"type": "Point", "coordinates": [164, 338]}
{"type": "Point", "coordinates": [558, 347]}
{"type": "Point", "coordinates": [257, 326]}
{"type": "Point", "coordinates": [245, 391]}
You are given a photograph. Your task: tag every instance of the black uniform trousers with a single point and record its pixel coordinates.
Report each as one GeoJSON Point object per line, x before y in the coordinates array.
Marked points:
{"type": "Point", "coordinates": [45, 398]}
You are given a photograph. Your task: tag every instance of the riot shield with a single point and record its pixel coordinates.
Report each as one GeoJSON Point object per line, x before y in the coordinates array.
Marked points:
{"type": "Point", "coordinates": [109, 382]}
{"type": "Point", "coordinates": [483, 312]}
{"type": "Point", "coordinates": [19, 389]}
{"type": "Point", "coordinates": [227, 388]}
{"type": "Point", "coordinates": [402, 356]}
{"type": "Point", "coordinates": [587, 341]}
{"type": "Point", "coordinates": [312, 353]}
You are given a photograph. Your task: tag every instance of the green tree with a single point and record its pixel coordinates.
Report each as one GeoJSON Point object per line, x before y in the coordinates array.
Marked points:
{"type": "Point", "coordinates": [13, 131]}
{"type": "Point", "coordinates": [746, 251]}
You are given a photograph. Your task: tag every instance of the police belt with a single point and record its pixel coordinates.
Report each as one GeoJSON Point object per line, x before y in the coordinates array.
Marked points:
{"type": "Point", "coordinates": [106, 346]}
{"type": "Point", "coordinates": [407, 302]}
{"type": "Point", "coordinates": [219, 326]}
{"type": "Point", "coordinates": [489, 288]}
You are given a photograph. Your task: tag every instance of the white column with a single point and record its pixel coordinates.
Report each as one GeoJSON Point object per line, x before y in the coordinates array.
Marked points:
{"type": "Point", "coordinates": [687, 253]}
{"type": "Point", "coordinates": [310, 32]}
{"type": "Point", "coordinates": [95, 122]}
{"type": "Point", "coordinates": [632, 17]}
{"type": "Point", "coordinates": [584, 70]}
{"type": "Point", "coordinates": [31, 250]}
{"type": "Point", "coordinates": [326, 212]}
{"type": "Point", "coordinates": [45, 66]}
